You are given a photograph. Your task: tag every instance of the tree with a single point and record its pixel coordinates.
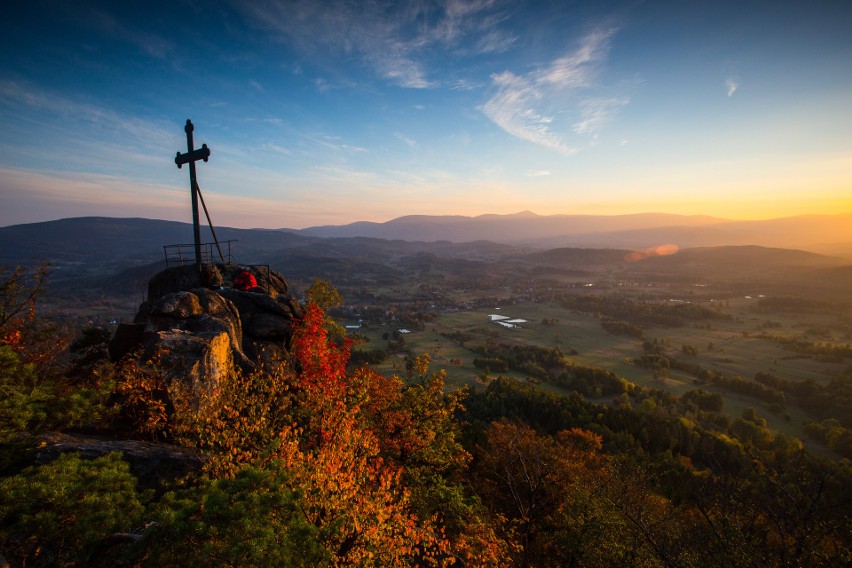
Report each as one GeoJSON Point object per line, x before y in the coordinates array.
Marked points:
{"type": "Point", "coordinates": [89, 355]}
{"type": "Point", "coordinates": [548, 488]}
{"type": "Point", "coordinates": [24, 400]}
{"type": "Point", "coordinates": [253, 519]}
{"type": "Point", "coordinates": [325, 296]}
{"type": "Point", "coordinates": [34, 341]}
{"type": "Point", "coordinates": [307, 420]}
{"type": "Point", "coordinates": [58, 514]}
{"type": "Point", "coordinates": [416, 427]}
{"type": "Point", "coordinates": [18, 299]}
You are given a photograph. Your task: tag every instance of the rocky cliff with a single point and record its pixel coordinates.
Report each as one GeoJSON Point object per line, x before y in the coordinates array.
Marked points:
{"type": "Point", "coordinates": [195, 327]}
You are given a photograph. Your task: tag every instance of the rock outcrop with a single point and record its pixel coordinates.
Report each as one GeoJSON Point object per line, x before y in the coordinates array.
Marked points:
{"type": "Point", "coordinates": [156, 465]}
{"type": "Point", "coordinates": [194, 327]}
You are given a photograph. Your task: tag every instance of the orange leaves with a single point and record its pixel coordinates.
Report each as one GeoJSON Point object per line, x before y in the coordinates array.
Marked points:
{"type": "Point", "coordinates": [14, 338]}
{"type": "Point", "coordinates": [244, 421]}
{"type": "Point", "coordinates": [310, 419]}
{"type": "Point", "coordinates": [348, 468]}
{"type": "Point", "coordinates": [144, 398]}
{"type": "Point", "coordinates": [534, 479]}
{"type": "Point", "coordinates": [333, 433]}
{"type": "Point", "coordinates": [19, 329]}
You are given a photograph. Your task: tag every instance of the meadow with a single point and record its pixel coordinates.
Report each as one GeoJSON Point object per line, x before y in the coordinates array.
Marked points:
{"type": "Point", "coordinates": [729, 345]}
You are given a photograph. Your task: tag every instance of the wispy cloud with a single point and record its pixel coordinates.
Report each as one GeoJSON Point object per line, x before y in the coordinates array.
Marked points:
{"type": "Point", "coordinates": [410, 142]}
{"type": "Point", "coordinates": [595, 112]}
{"type": "Point", "coordinates": [67, 194]}
{"type": "Point", "coordinates": [395, 39]}
{"type": "Point", "coordinates": [30, 196]}
{"type": "Point", "coordinates": [527, 106]}
{"type": "Point", "coordinates": [147, 42]}
{"type": "Point", "coordinates": [495, 41]}
{"type": "Point", "coordinates": [276, 148]}
{"type": "Point", "coordinates": [732, 86]}
{"type": "Point", "coordinates": [20, 94]}
{"type": "Point", "coordinates": [464, 85]}
{"type": "Point", "coordinates": [538, 173]}
{"type": "Point", "coordinates": [332, 143]}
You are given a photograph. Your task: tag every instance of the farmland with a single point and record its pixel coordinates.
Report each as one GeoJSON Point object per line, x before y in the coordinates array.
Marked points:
{"type": "Point", "coordinates": [739, 336]}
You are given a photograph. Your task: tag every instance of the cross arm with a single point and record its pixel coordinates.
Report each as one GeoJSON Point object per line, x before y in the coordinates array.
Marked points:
{"type": "Point", "coordinates": [200, 154]}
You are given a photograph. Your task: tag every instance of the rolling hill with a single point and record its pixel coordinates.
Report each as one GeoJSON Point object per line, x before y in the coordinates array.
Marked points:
{"type": "Point", "coordinates": [829, 234]}
{"type": "Point", "coordinates": [110, 255]}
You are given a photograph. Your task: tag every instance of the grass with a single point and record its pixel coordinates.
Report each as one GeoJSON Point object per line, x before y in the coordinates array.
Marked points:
{"type": "Point", "coordinates": [582, 338]}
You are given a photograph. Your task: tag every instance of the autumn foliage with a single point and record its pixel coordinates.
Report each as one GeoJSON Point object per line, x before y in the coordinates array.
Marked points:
{"type": "Point", "coordinates": [327, 430]}
{"type": "Point", "coordinates": [316, 462]}
{"type": "Point", "coordinates": [34, 342]}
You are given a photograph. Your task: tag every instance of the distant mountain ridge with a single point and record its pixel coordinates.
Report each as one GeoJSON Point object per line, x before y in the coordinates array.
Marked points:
{"type": "Point", "coordinates": [92, 256]}
{"type": "Point", "coordinates": [105, 239]}
{"type": "Point", "coordinates": [523, 227]}
{"type": "Point", "coordinates": [817, 233]}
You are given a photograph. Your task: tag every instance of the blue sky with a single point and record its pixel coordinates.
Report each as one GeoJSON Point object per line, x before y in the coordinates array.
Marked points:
{"type": "Point", "coordinates": [333, 112]}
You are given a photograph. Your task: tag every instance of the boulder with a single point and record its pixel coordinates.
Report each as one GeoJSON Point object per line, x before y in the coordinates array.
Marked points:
{"type": "Point", "coordinates": [269, 355]}
{"type": "Point", "coordinates": [254, 302]}
{"type": "Point", "coordinates": [269, 282]}
{"type": "Point", "coordinates": [175, 279]}
{"type": "Point", "coordinates": [127, 338]}
{"type": "Point", "coordinates": [155, 464]}
{"type": "Point", "coordinates": [265, 325]}
{"type": "Point", "coordinates": [194, 364]}
{"type": "Point", "coordinates": [177, 305]}
{"type": "Point", "coordinates": [195, 332]}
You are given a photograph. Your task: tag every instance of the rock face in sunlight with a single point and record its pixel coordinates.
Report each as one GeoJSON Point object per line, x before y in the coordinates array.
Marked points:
{"type": "Point", "coordinates": [195, 326]}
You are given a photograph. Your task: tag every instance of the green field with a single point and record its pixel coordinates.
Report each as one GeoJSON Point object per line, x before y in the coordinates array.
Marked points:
{"type": "Point", "coordinates": [721, 345]}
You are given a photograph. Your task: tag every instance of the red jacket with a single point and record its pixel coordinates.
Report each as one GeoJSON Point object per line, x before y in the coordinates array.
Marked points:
{"type": "Point", "coordinates": [245, 281]}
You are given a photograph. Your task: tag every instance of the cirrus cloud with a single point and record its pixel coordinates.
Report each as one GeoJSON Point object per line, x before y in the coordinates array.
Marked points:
{"type": "Point", "coordinates": [529, 106]}
{"type": "Point", "coordinates": [395, 39]}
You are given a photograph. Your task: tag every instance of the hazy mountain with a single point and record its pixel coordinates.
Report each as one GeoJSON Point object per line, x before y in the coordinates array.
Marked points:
{"type": "Point", "coordinates": [107, 239]}
{"type": "Point", "coordinates": [818, 233]}
{"type": "Point", "coordinates": [524, 227]}
{"type": "Point", "coordinates": [91, 255]}
{"type": "Point", "coordinates": [100, 240]}
{"type": "Point", "coordinates": [735, 261]}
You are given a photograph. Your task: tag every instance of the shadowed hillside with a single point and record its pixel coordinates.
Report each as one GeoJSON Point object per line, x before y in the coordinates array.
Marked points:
{"type": "Point", "coordinates": [93, 257]}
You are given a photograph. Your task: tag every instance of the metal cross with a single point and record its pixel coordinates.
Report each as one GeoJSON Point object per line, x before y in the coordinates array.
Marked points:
{"type": "Point", "coordinates": [192, 155]}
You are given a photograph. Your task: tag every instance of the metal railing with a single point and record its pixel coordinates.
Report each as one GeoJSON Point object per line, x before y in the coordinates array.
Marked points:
{"type": "Point", "coordinates": [178, 255]}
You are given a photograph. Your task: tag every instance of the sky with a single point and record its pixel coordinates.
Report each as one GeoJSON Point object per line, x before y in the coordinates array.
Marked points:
{"type": "Point", "coordinates": [333, 112]}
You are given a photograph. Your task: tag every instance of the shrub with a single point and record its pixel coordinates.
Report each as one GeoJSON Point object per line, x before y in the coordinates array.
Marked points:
{"type": "Point", "coordinates": [58, 513]}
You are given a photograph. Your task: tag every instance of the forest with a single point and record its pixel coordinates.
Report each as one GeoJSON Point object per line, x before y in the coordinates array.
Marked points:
{"type": "Point", "coordinates": [327, 462]}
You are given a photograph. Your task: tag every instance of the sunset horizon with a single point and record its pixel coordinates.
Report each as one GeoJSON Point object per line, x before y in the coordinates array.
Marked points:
{"type": "Point", "coordinates": [444, 108]}
{"type": "Point", "coordinates": [474, 215]}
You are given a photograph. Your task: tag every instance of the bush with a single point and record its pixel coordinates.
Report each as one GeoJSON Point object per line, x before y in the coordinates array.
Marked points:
{"type": "Point", "coordinates": [251, 520]}
{"type": "Point", "coordinates": [23, 401]}
{"type": "Point", "coordinates": [57, 514]}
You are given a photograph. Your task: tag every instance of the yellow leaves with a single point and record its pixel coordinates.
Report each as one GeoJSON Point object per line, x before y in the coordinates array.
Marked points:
{"type": "Point", "coordinates": [421, 365]}
{"type": "Point", "coordinates": [326, 429]}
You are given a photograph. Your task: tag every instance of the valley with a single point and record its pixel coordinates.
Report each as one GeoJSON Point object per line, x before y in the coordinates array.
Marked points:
{"type": "Point", "coordinates": [656, 393]}
{"type": "Point", "coordinates": [661, 318]}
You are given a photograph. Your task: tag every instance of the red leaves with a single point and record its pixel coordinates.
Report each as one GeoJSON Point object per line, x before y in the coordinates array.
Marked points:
{"type": "Point", "coordinates": [322, 362]}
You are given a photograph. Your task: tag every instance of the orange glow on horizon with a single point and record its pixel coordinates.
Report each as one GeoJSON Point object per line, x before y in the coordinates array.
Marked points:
{"type": "Point", "coordinates": [659, 250]}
